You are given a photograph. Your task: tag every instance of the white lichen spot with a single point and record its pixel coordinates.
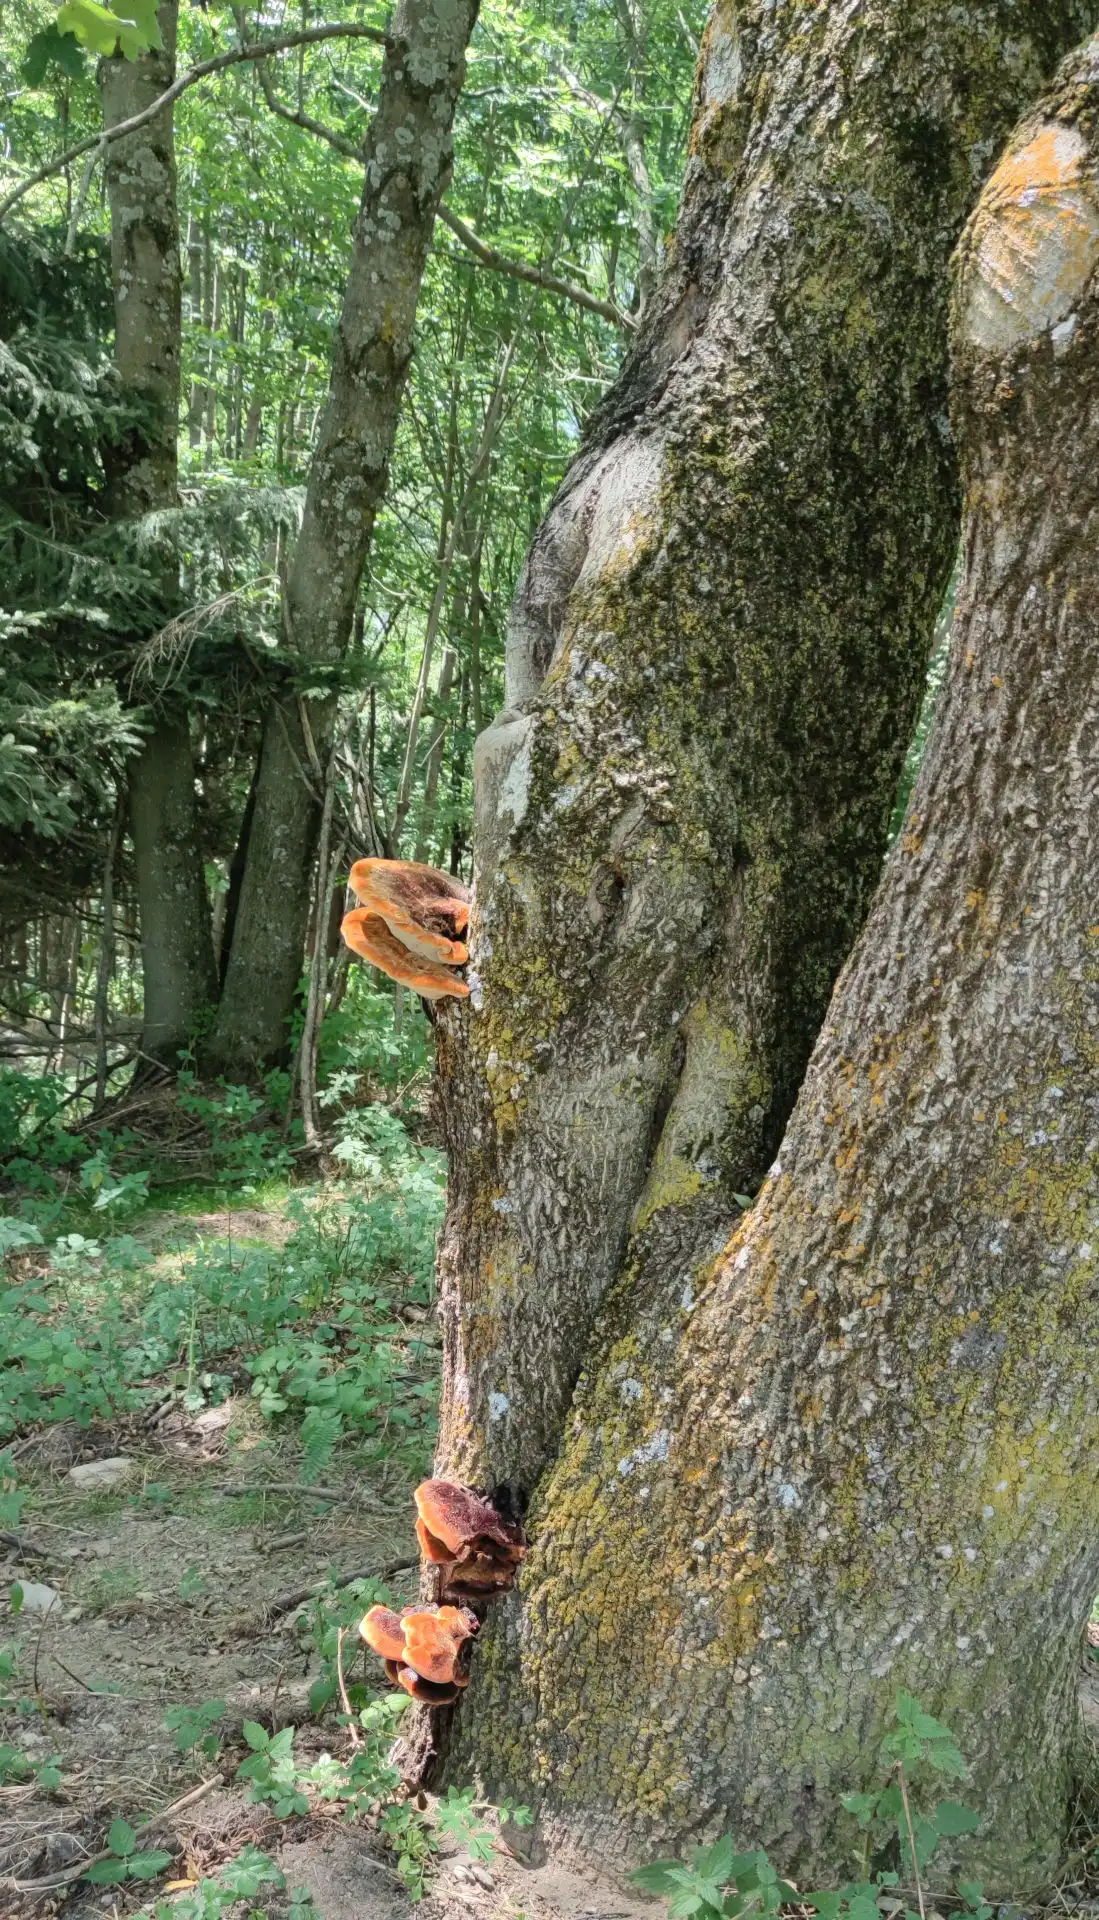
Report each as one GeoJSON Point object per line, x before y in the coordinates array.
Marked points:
{"type": "Point", "coordinates": [498, 1404]}
{"type": "Point", "coordinates": [655, 1448]}
{"type": "Point", "coordinates": [631, 1389]}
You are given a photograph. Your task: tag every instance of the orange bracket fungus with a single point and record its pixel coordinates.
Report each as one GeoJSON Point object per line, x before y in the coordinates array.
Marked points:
{"type": "Point", "coordinates": [409, 924]}
{"type": "Point", "coordinates": [368, 935]}
{"type": "Point", "coordinates": [476, 1548]}
{"type": "Point", "coordinates": [425, 1649]}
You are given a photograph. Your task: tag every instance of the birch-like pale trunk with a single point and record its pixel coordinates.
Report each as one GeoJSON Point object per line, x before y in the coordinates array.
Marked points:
{"type": "Point", "coordinates": [176, 942]}
{"type": "Point", "coordinates": [759, 1477]}
{"type": "Point", "coordinates": [408, 162]}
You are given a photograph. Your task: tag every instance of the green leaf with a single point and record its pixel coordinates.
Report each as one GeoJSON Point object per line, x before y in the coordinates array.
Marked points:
{"type": "Point", "coordinates": [49, 48]}
{"type": "Point", "coordinates": [146, 1866]}
{"type": "Point", "coordinates": [134, 28]}
{"type": "Point", "coordinates": [107, 1873]}
{"type": "Point", "coordinates": [121, 1838]}
{"type": "Point", "coordinates": [657, 1878]}
{"type": "Point", "coordinates": [716, 1862]}
{"type": "Point", "coordinates": [258, 1739]}
{"type": "Point", "coordinates": [951, 1818]}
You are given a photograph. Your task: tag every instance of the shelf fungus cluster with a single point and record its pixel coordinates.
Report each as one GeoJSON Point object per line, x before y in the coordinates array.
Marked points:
{"type": "Point", "coordinates": [410, 925]}
{"type": "Point", "coordinates": [425, 1649]}
{"type": "Point", "coordinates": [474, 1550]}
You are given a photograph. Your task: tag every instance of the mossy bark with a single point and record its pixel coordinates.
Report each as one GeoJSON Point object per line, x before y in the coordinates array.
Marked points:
{"type": "Point", "coordinates": [408, 161]}
{"type": "Point", "coordinates": [176, 946]}
{"type": "Point", "coordinates": [826, 1456]}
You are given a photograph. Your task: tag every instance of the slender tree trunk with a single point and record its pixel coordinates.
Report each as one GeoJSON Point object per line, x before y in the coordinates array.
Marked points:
{"type": "Point", "coordinates": [408, 162]}
{"type": "Point", "coordinates": [435, 756]}
{"type": "Point", "coordinates": [858, 1448]}
{"type": "Point", "coordinates": [177, 954]}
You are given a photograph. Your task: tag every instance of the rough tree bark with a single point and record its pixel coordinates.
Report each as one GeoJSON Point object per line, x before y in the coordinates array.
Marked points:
{"type": "Point", "coordinates": [176, 945]}
{"type": "Point", "coordinates": [713, 667]}
{"type": "Point", "coordinates": [771, 1502]}
{"type": "Point", "coordinates": [408, 161]}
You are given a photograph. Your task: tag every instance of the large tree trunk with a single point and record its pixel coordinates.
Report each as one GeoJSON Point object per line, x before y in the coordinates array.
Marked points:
{"type": "Point", "coordinates": [858, 1447]}
{"type": "Point", "coordinates": [715, 658]}
{"type": "Point", "coordinates": [714, 665]}
{"type": "Point", "coordinates": [176, 946]}
{"type": "Point", "coordinates": [408, 160]}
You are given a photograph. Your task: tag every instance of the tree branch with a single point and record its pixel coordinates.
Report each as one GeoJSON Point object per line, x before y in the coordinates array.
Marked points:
{"type": "Point", "coordinates": [536, 276]}
{"type": "Point", "coordinates": [487, 256]}
{"type": "Point", "coordinates": [298, 119]}
{"type": "Point", "coordinates": [258, 50]}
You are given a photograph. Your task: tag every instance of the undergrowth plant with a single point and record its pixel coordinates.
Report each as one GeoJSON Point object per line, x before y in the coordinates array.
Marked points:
{"type": "Point", "coordinates": [903, 1823]}
{"type": "Point", "coordinates": [326, 1331]}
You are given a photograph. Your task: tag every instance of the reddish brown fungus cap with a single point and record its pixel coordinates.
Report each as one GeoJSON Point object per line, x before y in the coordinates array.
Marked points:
{"type": "Point", "coordinates": [457, 1516]}
{"type": "Point", "coordinates": [429, 1691]}
{"type": "Point", "coordinates": [383, 1631]}
{"type": "Point", "coordinates": [437, 1641]}
{"type": "Point", "coordinates": [464, 1534]}
{"type": "Point", "coordinates": [368, 935]}
{"type": "Point", "coordinates": [425, 908]}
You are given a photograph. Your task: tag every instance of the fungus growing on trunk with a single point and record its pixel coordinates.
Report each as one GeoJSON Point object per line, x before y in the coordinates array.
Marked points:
{"type": "Point", "coordinates": [429, 1643]}
{"type": "Point", "coordinates": [437, 1643]}
{"type": "Point", "coordinates": [429, 1691]}
{"type": "Point", "coordinates": [383, 1631]}
{"type": "Point", "coordinates": [466, 1536]}
{"type": "Point", "coordinates": [371, 937]}
{"type": "Point", "coordinates": [425, 908]}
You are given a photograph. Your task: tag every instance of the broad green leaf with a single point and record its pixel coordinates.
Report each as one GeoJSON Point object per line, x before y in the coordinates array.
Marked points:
{"type": "Point", "coordinates": [121, 1838]}
{"type": "Point", "coordinates": [49, 48]}
{"type": "Point", "coordinates": [256, 1736]}
{"type": "Point", "coordinates": [950, 1817]}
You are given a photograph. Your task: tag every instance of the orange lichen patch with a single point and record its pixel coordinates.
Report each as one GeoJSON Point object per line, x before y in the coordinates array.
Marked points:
{"type": "Point", "coordinates": [382, 1630]}
{"type": "Point", "coordinates": [369, 935]}
{"type": "Point", "coordinates": [466, 1535]}
{"type": "Point", "coordinates": [429, 1691]}
{"type": "Point", "coordinates": [437, 1643]}
{"type": "Point", "coordinates": [425, 908]}
{"type": "Point", "coordinates": [1034, 240]}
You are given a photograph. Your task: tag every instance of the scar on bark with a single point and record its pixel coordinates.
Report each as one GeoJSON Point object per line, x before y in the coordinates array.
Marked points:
{"type": "Point", "coordinates": [409, 923]}
{"type": "Point", "coordinates": [473, 1546]}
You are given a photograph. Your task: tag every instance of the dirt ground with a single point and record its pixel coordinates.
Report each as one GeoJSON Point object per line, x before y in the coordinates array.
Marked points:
{"type": "Point", "coordinates": [171, 1587]}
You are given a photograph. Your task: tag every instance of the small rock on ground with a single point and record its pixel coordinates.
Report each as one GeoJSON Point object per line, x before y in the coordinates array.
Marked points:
{"type": "Point", "coordinates": [95, 1475]}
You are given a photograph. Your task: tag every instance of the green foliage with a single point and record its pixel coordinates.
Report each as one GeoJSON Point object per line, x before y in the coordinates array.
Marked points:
{"type": "Point", "coordinates": [918, 1749]}
{"type": "Point", "coordinates": [192, 1727]}
{"type": "Point", "coordinates": [460, 1817]}
{"type": "Point", "coordinates": [101, 1328]}
{"type": "Point", "coordinates": [127, 1861]}
{"type": "Point", "coordinates": [16, 1767]}
{"type": "Point", "coordinates": [131, 27]}
{"type": "Point", "coordinates": [215, 1898]}
{"type": "Point", "coordinates": [270, 1770]}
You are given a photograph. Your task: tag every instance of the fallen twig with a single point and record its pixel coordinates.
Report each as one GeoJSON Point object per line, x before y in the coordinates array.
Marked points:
{"type": "Point", "coordinates": [285, 1602]}
{"type": "Point", "coordinates": [356, 1737]}
{"type": "Point", "coordinates": [150, 1823]}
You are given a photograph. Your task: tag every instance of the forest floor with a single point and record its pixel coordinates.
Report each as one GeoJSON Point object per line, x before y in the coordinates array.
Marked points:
{"type": "Point", "coordinates": [182, 1585]}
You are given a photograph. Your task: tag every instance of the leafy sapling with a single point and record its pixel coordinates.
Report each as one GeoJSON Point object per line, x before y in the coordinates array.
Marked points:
{"type": "Point", "coordinates": [270, 1769]}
